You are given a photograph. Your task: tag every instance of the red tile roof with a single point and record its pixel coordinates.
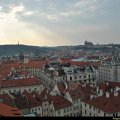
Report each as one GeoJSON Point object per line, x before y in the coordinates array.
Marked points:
{"type": "Point", "coordinates": [108, 105]}
{"type": "Point", "coordinates": [60, 102]}
{"type": "Point", "coordinates": [8, 111]}
{"type": "Point", "coordinates": [38, 96]}
{"type": "Point", "coordinates": [77, 91]}
{"type": "Point", "coordinates": [7, 99]}
{"type": "Point", "coordinates": [32, 101]}
{"type": "Point", "coordinates": [45, 91]}
{"type": "Point", "coordinates": [5, 67]}
{"type": "Point", "coordinates": [34, 64]}
{"type": "Point", "coordinates": [19, 82]}
{"type": "Point", "coordinates": [81, 64]}
{"type": "Point", "coordinates": [114, 84]}
{"type": "Point", "coordinates": [23, 72]}
{"type": "Point", "coordinates": [102, 86]}
{"type": "Point", "coordinates": [61, 87]}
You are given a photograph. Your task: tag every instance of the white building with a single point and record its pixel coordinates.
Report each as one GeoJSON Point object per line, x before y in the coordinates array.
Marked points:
{"type": "Point", "coordinates": [109, 72]}
{"type": "Point", "coordinates": [106, 104]}
{"type": "Point", "coordinates": [19, 85]}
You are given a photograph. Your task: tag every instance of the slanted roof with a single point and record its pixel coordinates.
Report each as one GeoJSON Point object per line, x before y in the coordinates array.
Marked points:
{"type": "Point", "coordinates": [8, 111]}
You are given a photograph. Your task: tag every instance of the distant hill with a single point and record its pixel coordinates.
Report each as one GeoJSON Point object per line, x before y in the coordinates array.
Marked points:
{"type": "Point", "coordinates": [17, 49]}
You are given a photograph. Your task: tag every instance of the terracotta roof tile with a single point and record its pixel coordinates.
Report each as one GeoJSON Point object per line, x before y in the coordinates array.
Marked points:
{"type": "Point", "coordinates": [32, 101]}
{"type": "Point", "coordinates": [7, 99]}
{"type": "Point", "coordinates": [19, 82]}
{"type": "Point", "coordinates": [8, 111]}
{"type": "Point", "coordinates": [108, 105]}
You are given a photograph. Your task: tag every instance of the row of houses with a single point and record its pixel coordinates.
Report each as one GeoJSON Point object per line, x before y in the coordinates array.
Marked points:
{"type": "Point", "coordinates": [21, 87]}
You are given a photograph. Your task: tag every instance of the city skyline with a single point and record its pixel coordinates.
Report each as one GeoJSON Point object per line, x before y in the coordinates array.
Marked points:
{"type": "Point", "coordinates": [59, 22]}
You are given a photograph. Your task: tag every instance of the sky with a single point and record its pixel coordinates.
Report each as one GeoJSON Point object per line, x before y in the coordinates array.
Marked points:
{"type": "Point", "coordinates": [59, 22]}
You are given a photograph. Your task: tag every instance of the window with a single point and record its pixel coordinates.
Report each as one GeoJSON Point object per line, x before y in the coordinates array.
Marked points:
{"type": "Point", "coordinates": [70, 78]}
{"type": "Point", "coordinates": [29, 90]}
{"type": "Point", "coordinates": [90, 106]}
{"type": "Point", "coordinates": [85, 111]}
{"type": "Point", "coordinates": [84, 76]}
{"type": "Point", "coordinates": [90, 114]}
{"type": "Point", "coordinates": [98, 111]}
{"type": "Point", "coordinates": [115, 115]}
{"type": "Point", "coordinates": [85, 105]}
{"type": "Point", "coordinates": [58, 112]}
{"type": "Point", "coordinates": [75, 77]}
{"type": "Point", "coordinates": [104, 114]}
{"type": "Point", "coordinates": [35, 89]}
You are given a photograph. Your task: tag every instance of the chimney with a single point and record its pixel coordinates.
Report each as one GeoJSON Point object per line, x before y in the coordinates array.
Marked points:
{"type": "Point", "coordinates": [116, 88]}
{"type": "Point", "coordinates": [107, 94]}
{"type": "Point", "coordinates": [51, 102]}
{"type": "Point", "coordinates": [101, 91]}
{"type": "Point", "coordinates": [95, 96]}
{"type": "Point", "coordinates": [45, 97]}
{"type": "Point", "coordinates": [47, 91]}
{"type": "Point", "coordinates": [107, 83]}
{"type": "Point", "coordinates": [33, 95]}
{"type": "Point", "coordinates": [97, 89]}
{"type": "Point", "coordinates": [115, 93]}
{"type": "Point", "coordinates": [83, 85]}
{"type": "Point", "coordinates": [111, 90]}
{"type": "Point", "coordinates": [66, 86]}
{"type": "Point", "coordinates": [91, 97]}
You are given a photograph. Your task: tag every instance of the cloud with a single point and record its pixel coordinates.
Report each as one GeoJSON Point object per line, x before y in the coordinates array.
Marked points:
{"type": "Point", "coordinates": [53, 17]}
{"type": "Point", "coordinates": [29, 13]}
{"type": "Point", "coordinates": [51, 22]}
{"type": "Point", "coordinates": [13, 30]}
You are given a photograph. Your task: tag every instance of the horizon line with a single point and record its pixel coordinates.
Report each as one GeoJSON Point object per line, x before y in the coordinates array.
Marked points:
{"type": "Point", "coordinates": [60, 45]}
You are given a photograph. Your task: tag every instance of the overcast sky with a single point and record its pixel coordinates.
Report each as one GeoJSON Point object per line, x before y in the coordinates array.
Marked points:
{"type": "Point", "coordinates": [59, 22]}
